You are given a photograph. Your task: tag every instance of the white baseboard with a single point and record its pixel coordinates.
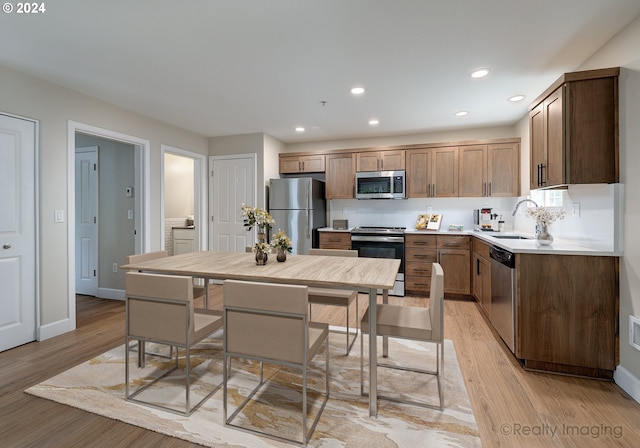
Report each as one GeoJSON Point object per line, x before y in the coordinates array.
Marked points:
{"type": "Point", "coordinates": [107, 293]}
{"type": "Point", "coordinates": [51, 330]}
{"type": "Point", "coordinates": [628, 382]}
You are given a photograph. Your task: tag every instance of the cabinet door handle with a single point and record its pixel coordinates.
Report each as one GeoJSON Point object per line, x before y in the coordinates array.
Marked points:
{"type": "Point", "coordinates": [542, 179]}
{"type": "Point", "coordinates": [477, 267]}
{"type": "Point", "coordinates": [489, 194]}
{"type": "Point", "coordinates": [302, 166]}
{"type": "Point", "coordinates": [421, 256]}
{"type": "Point", "coordinates": [484, 189]}
{"type": "Point", "coordinates": [451, 243]}
{"type": "Point", "coordinates": [6, 246]}
{"type": "Point", "coordinates": [539, 174]}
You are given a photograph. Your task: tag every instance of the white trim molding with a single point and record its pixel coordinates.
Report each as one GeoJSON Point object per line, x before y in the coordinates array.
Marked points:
{"type": "Point", "coordinates": [628, 382]}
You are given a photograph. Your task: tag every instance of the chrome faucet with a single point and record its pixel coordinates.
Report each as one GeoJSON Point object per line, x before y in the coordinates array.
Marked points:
{"type": "Point", "coordinates": [515, 209]}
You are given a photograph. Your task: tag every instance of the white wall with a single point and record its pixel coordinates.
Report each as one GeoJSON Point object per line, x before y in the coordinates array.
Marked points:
{"type": "Point", "coordinates": [409, 139]}
{"type": "Point", "coordinates": [624, 51]}
{"type": "Point", "coordinates": [53, 106]}
{"type": "Point", "coordinates": [178, 186]}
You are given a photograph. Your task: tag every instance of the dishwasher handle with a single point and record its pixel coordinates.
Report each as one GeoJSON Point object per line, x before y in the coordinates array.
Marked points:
{"type": "Point", "coordinates": [502, 256]}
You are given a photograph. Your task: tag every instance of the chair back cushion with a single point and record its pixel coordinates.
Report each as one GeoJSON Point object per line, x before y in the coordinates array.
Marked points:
{"type": "Point", "coordinates": [149, 315]}
{"type": "Point", "coordinates": [334, 252]}
{"type": "Point", "coordinates": [436, 301]}
{"type": "Point", "coordinates": [265, 320]}
{"type": "Point", "coordinates": [140, 258]}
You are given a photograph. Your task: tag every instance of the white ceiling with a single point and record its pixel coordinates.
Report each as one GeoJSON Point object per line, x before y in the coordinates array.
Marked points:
{"type": "Point", "coordinates": [242, 66]}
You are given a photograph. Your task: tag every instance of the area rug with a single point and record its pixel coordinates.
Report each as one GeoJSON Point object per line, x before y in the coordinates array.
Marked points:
{"type": "Point", "coordinates": [97, 386]}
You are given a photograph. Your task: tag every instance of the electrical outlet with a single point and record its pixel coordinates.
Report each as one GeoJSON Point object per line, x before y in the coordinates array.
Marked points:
{"type": "Point", "coordinates": [130, 214]}
{"type": "Point", "coordinates": [576, 209]}
{"type": "Point", "coordinates": [115, 267]}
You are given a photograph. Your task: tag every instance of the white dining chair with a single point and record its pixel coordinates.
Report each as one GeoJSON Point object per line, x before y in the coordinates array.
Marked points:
{"type": "Point", "coordinates": [268, 323]}
{"type": "Point", "coordinates": [414, 323]}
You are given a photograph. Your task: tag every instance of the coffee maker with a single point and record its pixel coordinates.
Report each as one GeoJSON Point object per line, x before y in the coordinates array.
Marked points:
{"type": "Point", "coordinates": [484, 219]}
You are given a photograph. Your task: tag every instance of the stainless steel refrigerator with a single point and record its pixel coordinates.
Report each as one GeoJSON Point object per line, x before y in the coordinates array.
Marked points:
{"type": "Point", "coordinates": [299, 208]}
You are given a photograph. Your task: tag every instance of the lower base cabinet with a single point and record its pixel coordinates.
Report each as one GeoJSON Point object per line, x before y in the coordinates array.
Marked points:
{"type": "Point", "coordinates": [453, 254]}
{"type": "Point", "coordinates": [567, 314]}
{"type": "Point", "coordinates": [335, 240]}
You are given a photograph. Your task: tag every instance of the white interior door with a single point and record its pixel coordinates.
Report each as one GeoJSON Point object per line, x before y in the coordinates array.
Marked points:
{"type": "Point", "coordinates": [87, 221]}
{"type": "Point", "coordinates": [17, 232]}
{"type": "Point", "coordinates": [233, 183]}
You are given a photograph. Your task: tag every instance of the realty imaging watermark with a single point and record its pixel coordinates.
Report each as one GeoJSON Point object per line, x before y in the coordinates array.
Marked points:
{"type": "Point", "coordinates": [593, 431]}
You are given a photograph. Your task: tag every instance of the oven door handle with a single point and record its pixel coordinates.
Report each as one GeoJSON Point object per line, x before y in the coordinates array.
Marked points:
{"type": "Point", "coordinates": [378, 239]}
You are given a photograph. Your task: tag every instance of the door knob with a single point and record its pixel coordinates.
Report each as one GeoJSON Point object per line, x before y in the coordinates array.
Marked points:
{"type": "Point", "coordinates": [6, 246]}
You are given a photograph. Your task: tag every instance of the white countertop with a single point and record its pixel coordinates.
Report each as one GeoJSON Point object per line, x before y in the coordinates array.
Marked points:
{"type": "Point", "coordinates": [528, 246]}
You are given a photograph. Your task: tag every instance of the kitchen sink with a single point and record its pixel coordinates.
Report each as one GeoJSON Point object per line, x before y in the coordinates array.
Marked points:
{"type": "Point", "coordinates": [511, 237]}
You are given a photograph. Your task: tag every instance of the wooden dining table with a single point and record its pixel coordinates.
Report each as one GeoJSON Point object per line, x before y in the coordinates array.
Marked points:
{"type": "Point", "coordinates": [358, 273]}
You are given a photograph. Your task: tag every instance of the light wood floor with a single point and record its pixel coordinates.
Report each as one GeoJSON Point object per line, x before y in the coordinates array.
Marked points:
{"type": "Point", "coordinates": [513, 408]}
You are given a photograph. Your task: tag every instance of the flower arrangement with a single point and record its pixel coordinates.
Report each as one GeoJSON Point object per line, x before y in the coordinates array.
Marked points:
{"type": "Point", "coordinates": [258, 217]}
{"type": "Point", "coordinates": [544, 216]}
{"type": "Point", "coordinates": [262, 247]}
{"type": "Point", "coordinates": [281, 241]}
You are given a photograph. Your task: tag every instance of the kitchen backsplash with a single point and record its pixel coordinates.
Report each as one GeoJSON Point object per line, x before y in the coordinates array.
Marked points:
{"type": "Point", "coordinates": [598, 225]}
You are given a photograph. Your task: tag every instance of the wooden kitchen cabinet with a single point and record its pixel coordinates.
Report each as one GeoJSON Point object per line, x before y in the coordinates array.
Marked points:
{"type": "Point", "coordinates": [432, 172]}
{"type": "Point", "coordinates": [340, 176]}
{"type": "Point", "coordinates": [451, 251]}
{"type": "Point", "coordinates": [420, 251]}
{"type": "Point", "coordinates": [302, 164]}
{"type": "Point", "coordinates": [380, 160]}
{"type": "Point", "coordinates": [567, 313]}
{"type": "Point", "coordinates": [335, 240]}
{"type": "Point", "coordinates": [489, 170]}
{"type": "Point", "coordinates": [481, 276]}
{"type": "Point", "coordinates": [454, 256]}
{"type": "Point", "coordinates": [574, 130]}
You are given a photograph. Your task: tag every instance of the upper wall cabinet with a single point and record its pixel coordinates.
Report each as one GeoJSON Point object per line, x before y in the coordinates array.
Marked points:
{"type": "Point", "coordinates": [340, 176]}
{"type": "Point", "coordinates": [302, 164]}
{"type": "Point", "coordinates": [380, 161]}
{"type": "Point", "coordinates": [489, 170]}
{"type": "Point", "coordinates": [573, 128]}
{"type": "Point", "coordinates": [432, 172]}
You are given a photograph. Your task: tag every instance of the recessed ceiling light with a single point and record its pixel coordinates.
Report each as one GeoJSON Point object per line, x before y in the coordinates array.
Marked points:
{"type": "Point", "coordinates": [374, 122]}
{"type": "Point", "coordinates": [480, 73]}
{"type": "Point", "coordinates": [299, 129]}
{"type": "Point", "coordinates": [516, 98]}
{"type": "Point", "coordinates": [357, 90]}
{"type": "Point", "coordinates": [461, 113]}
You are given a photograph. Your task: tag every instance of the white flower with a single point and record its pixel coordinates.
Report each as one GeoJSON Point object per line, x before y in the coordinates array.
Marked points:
{"type": "Point", "coordinates": [544, 216]}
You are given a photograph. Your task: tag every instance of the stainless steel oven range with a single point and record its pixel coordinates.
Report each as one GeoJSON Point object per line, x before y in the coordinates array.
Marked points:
{"type": "Point", "coordinates": [381, 242]}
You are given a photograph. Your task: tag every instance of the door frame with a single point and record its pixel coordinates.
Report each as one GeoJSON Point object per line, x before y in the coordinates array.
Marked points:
{"type": "Point", "coordinates": [36, 215]}
{"type": "Point", "coordinates": [142, 211]}
{"type": "Point", "coordinates": [200, 192]}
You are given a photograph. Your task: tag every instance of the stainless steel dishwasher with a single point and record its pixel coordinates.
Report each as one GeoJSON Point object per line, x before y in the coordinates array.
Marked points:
{"type": "Point", "coordinates": [503, 294]}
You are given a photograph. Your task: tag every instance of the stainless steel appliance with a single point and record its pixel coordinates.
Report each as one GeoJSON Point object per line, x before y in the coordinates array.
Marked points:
{"type": "Point", "coordinates": [299, 208]}
{"type": "Point", "coordinates": [382, 242]}
{"type": "Point", "coordinates": [380, 185]}
{"type": "Point", "coordinates": [503, 294]}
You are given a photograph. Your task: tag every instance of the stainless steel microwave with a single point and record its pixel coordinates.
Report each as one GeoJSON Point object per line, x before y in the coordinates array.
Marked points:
{"type": "Point", "coordinates": [380, 185]}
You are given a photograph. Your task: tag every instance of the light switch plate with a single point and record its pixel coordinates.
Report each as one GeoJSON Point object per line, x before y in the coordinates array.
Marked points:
{"type": "Point", "coordinates": [130, 214]}
{"type": "Point", "coordinates": [58, 216]}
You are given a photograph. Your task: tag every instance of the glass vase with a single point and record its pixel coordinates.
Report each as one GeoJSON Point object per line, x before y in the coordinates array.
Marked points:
{"type": "Point", "coordinates": [262, 234]}
{"type": "Point", "coordinates": [281, 256]}
{"type": "Point", "coordinates": [261, 258]}
{"type": "Point", "coordinates": [544, 238]}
